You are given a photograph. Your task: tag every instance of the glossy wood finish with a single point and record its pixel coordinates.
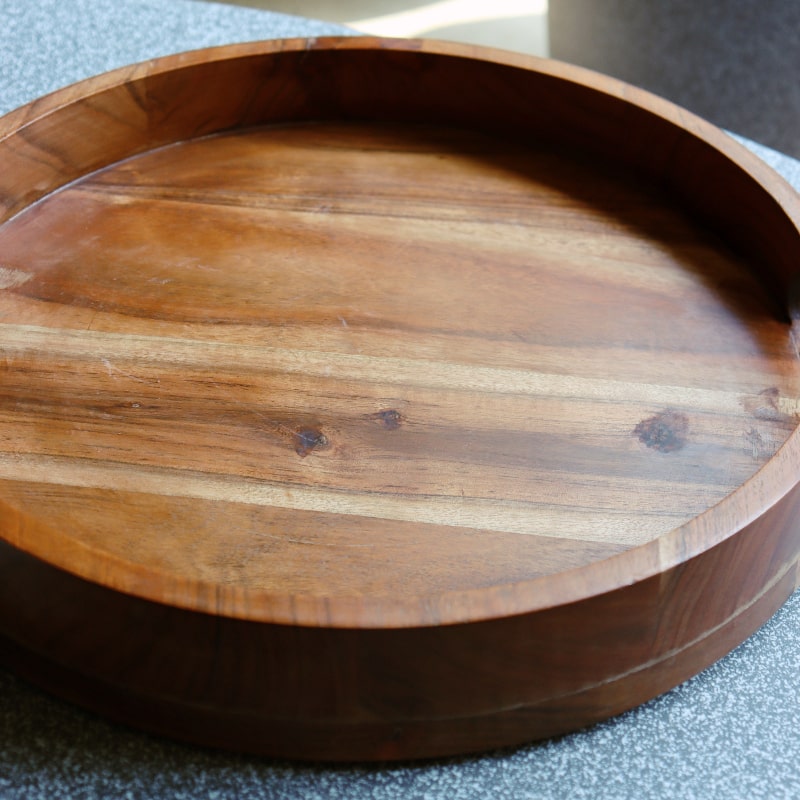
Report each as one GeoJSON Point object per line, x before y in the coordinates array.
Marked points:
{"type": "Point", "coordinates": [373, 399]}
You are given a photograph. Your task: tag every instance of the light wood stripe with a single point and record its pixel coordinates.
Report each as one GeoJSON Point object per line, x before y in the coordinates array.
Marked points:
{"type": "Point", "coordinates": [104, 347]}
{"type": "Point", "coordinates": [503, 516]}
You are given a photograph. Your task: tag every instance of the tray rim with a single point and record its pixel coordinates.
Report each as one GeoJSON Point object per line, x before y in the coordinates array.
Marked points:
{"type": "Point", "coordinates": [744, 505]}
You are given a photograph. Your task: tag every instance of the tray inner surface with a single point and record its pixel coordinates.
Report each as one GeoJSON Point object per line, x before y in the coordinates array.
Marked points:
{"type": "Point", "coordinates": [338, 359]}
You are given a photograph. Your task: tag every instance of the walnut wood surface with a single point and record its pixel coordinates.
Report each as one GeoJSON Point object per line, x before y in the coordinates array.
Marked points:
{"type": "Point", "coordinates": [413, 398]}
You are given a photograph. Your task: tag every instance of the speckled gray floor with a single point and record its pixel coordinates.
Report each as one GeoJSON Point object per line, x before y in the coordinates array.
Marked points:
{"type": "Point", "coordinates": [45, 45]}
{"type": "Point", "coordinates": [731, 733]}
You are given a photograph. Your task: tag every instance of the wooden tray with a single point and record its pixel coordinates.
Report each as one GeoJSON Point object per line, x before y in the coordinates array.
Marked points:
{"type": "Point", "coordinates": [374, 399]}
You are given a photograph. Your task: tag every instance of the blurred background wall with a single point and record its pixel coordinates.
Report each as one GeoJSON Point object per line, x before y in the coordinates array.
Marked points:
{"type": "Point", "coordinates": [734, 62]}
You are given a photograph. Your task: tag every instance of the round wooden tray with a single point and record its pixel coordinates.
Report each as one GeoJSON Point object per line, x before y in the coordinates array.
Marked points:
{"type": "Point", "coordinates": [374, 399]}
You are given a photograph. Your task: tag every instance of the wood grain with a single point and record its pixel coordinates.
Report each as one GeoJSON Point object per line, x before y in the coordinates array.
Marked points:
{"type": "Point", "coordinates": [306, 343]}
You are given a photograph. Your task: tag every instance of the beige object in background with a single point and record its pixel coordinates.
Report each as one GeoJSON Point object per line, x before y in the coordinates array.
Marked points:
{"type": "Point", "coordinates": [519, 25]}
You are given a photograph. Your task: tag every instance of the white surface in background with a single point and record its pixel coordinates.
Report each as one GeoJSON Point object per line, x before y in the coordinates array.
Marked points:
{"type": "Point", "coordinates": [417, 21]}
